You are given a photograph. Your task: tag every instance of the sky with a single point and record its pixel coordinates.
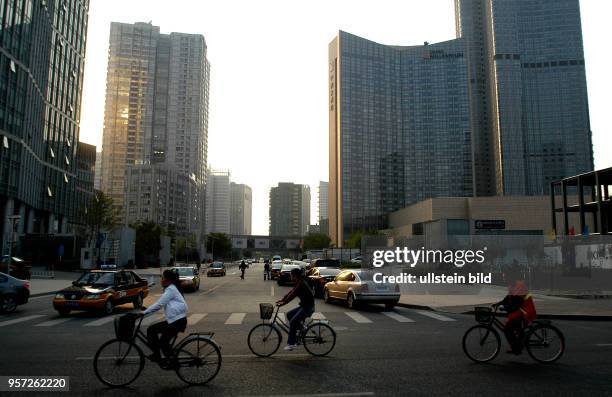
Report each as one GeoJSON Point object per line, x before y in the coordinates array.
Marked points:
{"type": "Point", "coordinates": [268, 119]}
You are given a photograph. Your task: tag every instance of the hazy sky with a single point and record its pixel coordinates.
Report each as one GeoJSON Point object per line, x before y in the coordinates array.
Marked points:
{"type": "Point", "coordinates": [268, 101]}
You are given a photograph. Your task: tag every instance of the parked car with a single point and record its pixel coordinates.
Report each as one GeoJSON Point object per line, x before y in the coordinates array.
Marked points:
{"type": "Point", "coordinates": [102, 290]}
{"type": "Point", "coordinates": [188, 277]}
{"type": "Point", "coordinates": [276, 258]}
{"type": "Point", "coordinates": [356, 286]}
{"type": "Point", "coordinates": [284, 276]}
{"type": "Point", "coordinates": [216, 269]}
{"type": "Point", "coordinates": [13, 292]}
{"type": "Point", "coordinates": [19, 268]}
{"type": "Point", "coordinates": [325, 263]}
{"type": "Point", "coordinates": [319, 276]}
{"type": "Point", "coordinates": [275, 269]}
{"type": "Point", "coordinates": [357, 260]}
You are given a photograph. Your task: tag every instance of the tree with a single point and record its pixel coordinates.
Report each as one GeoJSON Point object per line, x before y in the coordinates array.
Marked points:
{"type": "Point", "coordinates": [354, 240]}
{"type": "Point", "coordinates": [219, 245]}
{"type": "Point", "coordinates": [316, 241]}
{"type": "Point", "coordinates": [148, 242]}
{"type": "Point", "coordinates": [99, 214]}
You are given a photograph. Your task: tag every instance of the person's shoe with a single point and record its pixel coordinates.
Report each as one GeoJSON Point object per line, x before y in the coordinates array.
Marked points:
{"type": "Point", "coordinates": [289, 348]}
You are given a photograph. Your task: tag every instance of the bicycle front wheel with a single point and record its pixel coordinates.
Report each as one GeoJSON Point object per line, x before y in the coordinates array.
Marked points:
{"type": "Point", "coordinates": [481, 343]}
{"type": "Point", "coordinates": [545, 343]}
{"type": "Point", "coordinates": [264, 340]}
{"type": "Point", "coordinates": [319, 339]}
{"type": "Point", "coordinates": [198, 360]}
{"type": "Point", "coordinates": [118, 363]}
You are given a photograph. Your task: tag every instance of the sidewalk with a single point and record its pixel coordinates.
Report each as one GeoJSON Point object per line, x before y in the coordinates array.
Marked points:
{"type": "Point", "coordinates": [462, 299]}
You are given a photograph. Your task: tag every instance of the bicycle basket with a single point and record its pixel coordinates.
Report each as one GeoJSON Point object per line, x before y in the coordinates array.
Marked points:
{"type": "Point", "coordinates": [482, 314]}
{"type": "Point", "coordinates": [266, 310]}
{"type": "Point", "coordinates": [125, 327]}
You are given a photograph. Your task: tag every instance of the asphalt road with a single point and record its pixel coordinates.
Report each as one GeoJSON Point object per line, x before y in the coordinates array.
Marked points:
{"type": "Point", "coordinates": [409, 353]}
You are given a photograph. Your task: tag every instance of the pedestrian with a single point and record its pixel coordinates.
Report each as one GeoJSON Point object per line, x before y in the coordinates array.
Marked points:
{"type": "Point", "coordinates": [266, 271]}
{"type": "Point", "coordinates": [242, 268]}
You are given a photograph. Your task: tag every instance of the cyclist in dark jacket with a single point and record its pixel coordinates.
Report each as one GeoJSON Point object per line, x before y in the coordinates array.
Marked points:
{"type": "Point", "coordinates": [296, 316]}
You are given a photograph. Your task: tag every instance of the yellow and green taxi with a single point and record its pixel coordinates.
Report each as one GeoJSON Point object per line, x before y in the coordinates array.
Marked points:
{"type": "Point", "coordinates": [100, 290]}
{"type": "Point", "coordinates": [216, 269]}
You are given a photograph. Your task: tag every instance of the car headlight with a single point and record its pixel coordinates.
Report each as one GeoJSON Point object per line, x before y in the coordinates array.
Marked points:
{"type": "Point", "coordinates": [59, 296]}
{"type": "Point", "coordinates": [92, 296]}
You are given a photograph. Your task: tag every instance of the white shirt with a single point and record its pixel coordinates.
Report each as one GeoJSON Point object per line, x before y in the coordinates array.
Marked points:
{"type": "Point", "coordinates": [173, 302]}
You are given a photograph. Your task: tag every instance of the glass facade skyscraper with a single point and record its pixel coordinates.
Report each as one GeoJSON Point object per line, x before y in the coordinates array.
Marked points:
{"type": "Point", "coordinates": [289, 209]}
{"type": "Point", "coordinates": [399, 129]}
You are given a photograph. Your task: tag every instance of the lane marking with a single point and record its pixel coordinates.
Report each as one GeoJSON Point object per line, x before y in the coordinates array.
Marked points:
{"type": "Point", "coordinates": [358, 317]}
{"type": "Point", "coordinates": [358, 394]}
{"type": "Point", "coordinates": [195, 318]}
{"type": "Point", "coordinates": [434, 315]}
{"type": "Point", "coordinates": [20, 320]}
{"type": "Point", "coordinates": [54, 322]}
{"type": "Point", "coordinates": [151, 319]}
{"type": "Point", "coordinates": [398, 317]}
{"type": "Point", "coordinates": [603, 344]}
{"type": "Point", "coordinates": [283, 317]}
{"type": "Point", "coordinates": [101, 321]}
{"type": "Point", "coordinates": [235, 318]}
{"type": "Point", "coordinates": [212, 289]}
{"type": "Point", "coordinates": [318, 316]}
{"type": "Point", "coordinates": [231, 274]}
{"type": "Point", "coordinates": [271, 290]}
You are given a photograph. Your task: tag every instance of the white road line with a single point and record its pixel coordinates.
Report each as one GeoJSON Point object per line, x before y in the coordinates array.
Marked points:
{"type": "Point", "coordinates": [603, 344]}
{"type": "Point", "coordinates": [358, 394]}
{"type": "Point", "coordinates": [51, 323]}
{"type": "Point", "coordinates": [101, 321]}
{"type": "Point", "coordinates": [271, 290]}
{"type": "Point", "coordinates": [318, 316]}
{"type": "Point", "coordinates": [358, 318]}
{"type": "Point", "coordinates": [150, 319]}
{"type": "Point", "coordinates": [398, 317]}
{"type": "Point", "coordinates": [283, 317]}
{"type": "Point", "coordinates": [231, 274]}
{"type": "Point", "coordinates": [195, 318]}
{"type": "Point", "coordinates": [434, 315]}
{"type": "Point", "coordinates": [20, 320]}
{"type": "Point", "coordinates": [235, 318]}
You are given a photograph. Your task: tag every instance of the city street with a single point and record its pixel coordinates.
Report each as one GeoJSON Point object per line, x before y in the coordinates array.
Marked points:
{"type": "Point", "coordinates": [406, 352]}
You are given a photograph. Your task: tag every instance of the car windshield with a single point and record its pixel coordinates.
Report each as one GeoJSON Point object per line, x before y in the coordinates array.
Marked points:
{"type": "Point", "coordinates": [289, 267]}
{"type": "Point", "coordinates": [329, 272]}
{"type": "Point", "coordinates": [97, 278]}
{"type": "Point", "coordinates": [217, 265]}
{"type": "Point", "coordinates": [185, 271]}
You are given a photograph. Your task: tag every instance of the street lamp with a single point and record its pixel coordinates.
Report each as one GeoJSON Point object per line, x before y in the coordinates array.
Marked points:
{"type": "Point", "coordinates": [14, 221]}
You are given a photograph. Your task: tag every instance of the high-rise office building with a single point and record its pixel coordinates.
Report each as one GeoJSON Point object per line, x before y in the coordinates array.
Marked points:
{"type": "Point", "coordinates": [156, 115]}
{"type": "Point", "coordinates": [528, 93]}
{"type": "Point", "coordinates": [399, 127]}
{"type": "Point", "coordinates": [323, 207]}
{"type": "Point", "coordinates": [218, 207]}
{"type": "Point", "coordinates": [289, 209]}
{"type": "Point", "coordinates": [241, 209]}
{"type": "Point", "coordinates": [98, 171]}
{"type": "Point", "coordinates": [42, 57]}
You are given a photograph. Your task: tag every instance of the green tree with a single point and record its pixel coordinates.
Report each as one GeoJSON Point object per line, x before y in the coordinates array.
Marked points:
{"type": "Point", "coordinates": [148, 243]}
{"type": "Point", "coordinates": [219, 245]}
{"type": "Point", "coordinates": [354, 240]}
{"type": "Point", "coordinates": [316, 241]}
{"type": "Point", "coordinates": [98, 215]}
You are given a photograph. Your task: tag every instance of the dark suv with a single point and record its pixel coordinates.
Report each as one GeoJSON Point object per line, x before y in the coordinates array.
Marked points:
{"type": "Point", "coordinates": [13, 292]}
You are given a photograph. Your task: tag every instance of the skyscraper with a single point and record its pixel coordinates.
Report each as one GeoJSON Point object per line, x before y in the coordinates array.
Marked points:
{"type": "Point", "coordinates": [241, 209]}
{"type": "Point", "coordinates": [42, 57]}
{"type": "Point", "coordinates": [324, 207]}
{"type": "Point", "coordinates": [289, 209]}
{"type": "Point", "coordinates": [218, 208]}
{"type": "Point", "coordinates": [528, 92]}
{"type": "Point", "coordinates": [156, 117]}
{"type": "Point", "coordinates": [399, 127]}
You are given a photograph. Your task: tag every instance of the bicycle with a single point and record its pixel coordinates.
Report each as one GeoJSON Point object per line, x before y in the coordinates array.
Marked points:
{"type": "Point", "coordinates": [196, 358]}
{"type": "Point", "coordinates": [481, 343]}
{"type": "Point", "coordinates": [318, 337]}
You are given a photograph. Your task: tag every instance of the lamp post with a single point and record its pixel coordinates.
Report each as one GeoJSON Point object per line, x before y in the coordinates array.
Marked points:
{"type": "Point", "coordinates": [14, 221]}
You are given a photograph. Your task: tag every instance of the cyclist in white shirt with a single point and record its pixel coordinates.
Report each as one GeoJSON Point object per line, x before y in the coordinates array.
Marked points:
{"type": "Point", "coordinates": [175, 310]}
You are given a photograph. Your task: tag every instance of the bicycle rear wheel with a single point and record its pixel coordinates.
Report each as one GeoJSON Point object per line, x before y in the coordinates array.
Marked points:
{"type": "Point", "coordinates": [264, 340]}
{"type": "Point", "coordinates": [481, 343]}
{"type": "Point", "coordinates": [545, 343]}
{"type": "Point", "coordinates": [118, 363]}
{"type": "Point", "coordinates": [319, 339]}
{"type": "Point", "coordinates": [197, 360]}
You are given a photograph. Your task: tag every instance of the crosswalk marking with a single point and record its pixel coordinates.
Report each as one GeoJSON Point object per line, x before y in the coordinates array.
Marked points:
{"type": "Point", "coordinates": [318, 316]}
{"type": "Point", "coordinates": [358, 318]}
{"type": "Point", "coordinates": [150, 319]}
{"type": "Point", "coordinates": [235, 318]}
{"type": "Point", "coordinates": [101, 321]}
{"type": "Point", "coordinates": [20, 320]}
{"type": "Point", "coordinates": [195, 318]}
{"type": "Point", "coordinates": [283, 317]}
{"type": "Point", "coordinates": [398, 317]}
{"type": "Point", "coordinates": [434, 315]}
{"type": "Point", "coordinates": [51, 323]}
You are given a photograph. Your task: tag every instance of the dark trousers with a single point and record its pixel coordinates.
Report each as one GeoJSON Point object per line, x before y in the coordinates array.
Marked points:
{"type": "Point", "coordinates": [167, 332]}
{"type": "Point", "coordinates": [296, 317]}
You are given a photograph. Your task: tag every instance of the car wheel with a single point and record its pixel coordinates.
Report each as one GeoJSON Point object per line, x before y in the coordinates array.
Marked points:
{"type": "Point", "coordinates": [326, 297]}
{"type": "Point", "coordinates": [63, 312]}
{"type": "Point", "coordinates": [8, 304]}
{"type": "Point", "coordinates": [350, 300]}
{"type": "Point", "coordinates": [109, 307]}
{"type": "Point", "coordinates": [138, 301]}
{"type": "Point", "coordinates": [390, 305]}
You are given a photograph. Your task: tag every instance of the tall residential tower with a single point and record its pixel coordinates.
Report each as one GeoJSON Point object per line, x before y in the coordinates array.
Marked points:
{"type": "Point", "coordinates": [289, 209]}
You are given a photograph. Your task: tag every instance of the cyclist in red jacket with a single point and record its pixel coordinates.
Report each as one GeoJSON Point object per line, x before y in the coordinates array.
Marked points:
{"type": "Point", "coordinates": [521, 311]}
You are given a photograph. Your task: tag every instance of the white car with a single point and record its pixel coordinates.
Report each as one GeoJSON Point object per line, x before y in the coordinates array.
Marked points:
{"type": "Point", "coordinates": [357, 260]}
{"type": "Point", "coordinates": [357, 286]}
